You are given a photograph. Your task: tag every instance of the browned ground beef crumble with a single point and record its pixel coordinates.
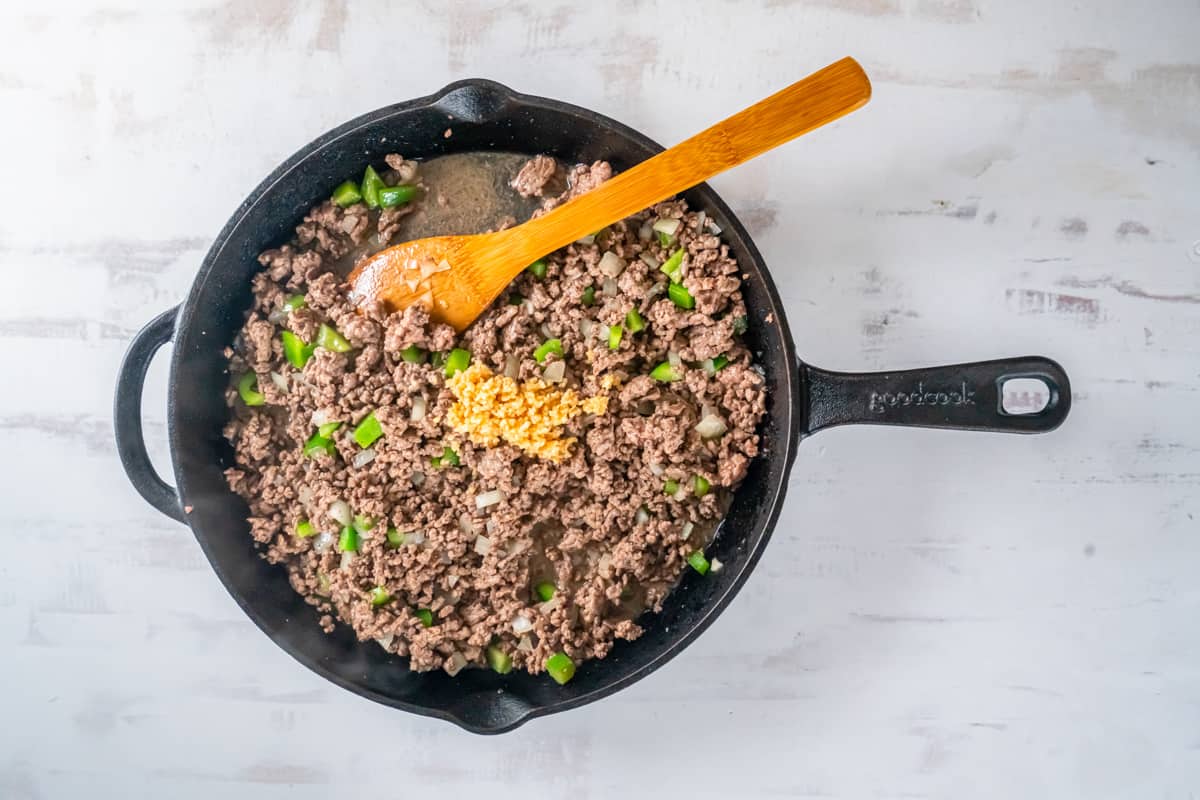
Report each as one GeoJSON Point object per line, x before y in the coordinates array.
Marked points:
{"type": "Point", "coordinates": [573, 523]}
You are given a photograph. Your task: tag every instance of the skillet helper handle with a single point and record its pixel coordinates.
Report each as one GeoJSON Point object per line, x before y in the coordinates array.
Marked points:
{"type": "Point", "coordinates": [127, 415]}
{"type": "Point", "coordinates": [960, 397]}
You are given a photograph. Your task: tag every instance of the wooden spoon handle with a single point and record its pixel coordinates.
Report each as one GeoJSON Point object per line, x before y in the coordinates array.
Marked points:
{"type": "Point", "coordinates": [807, 104]}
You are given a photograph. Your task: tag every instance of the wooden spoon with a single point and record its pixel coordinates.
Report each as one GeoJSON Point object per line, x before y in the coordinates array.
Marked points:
{"type": "Point", "coordinates": [456, 277]}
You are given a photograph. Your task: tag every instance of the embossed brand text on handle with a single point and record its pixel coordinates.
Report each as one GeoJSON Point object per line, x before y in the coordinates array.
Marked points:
{"type": "Point", "coordinates": [880, 402]}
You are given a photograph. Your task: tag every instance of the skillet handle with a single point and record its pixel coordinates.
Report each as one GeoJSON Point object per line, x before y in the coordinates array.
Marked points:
{"type": "Point", "coordinates": [127, 415]}
{"type": "Point", "coordinates": [960, 396]}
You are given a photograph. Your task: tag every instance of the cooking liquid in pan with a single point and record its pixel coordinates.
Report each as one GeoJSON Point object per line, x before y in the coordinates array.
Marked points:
{"type": "Point", "coordinates": [466, 193]}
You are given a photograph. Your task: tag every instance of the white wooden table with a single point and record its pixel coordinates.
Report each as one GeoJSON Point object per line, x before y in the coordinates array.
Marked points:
{"type": "Point", "coordinates": [939, 615]}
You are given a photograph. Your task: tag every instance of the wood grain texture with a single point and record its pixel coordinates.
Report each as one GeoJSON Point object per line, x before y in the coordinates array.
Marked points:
{"type": "Point", "coordinates": [937, 616]}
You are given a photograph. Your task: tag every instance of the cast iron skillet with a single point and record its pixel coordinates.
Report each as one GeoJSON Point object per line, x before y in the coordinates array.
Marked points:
{"type": "Point", "coordinates": [487, 116]}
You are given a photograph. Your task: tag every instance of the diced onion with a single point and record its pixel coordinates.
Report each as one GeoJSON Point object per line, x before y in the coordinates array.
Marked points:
{"type": "Point", "coordinates": [280, 381]}
{"type": "Point", "coordinates": [650, 261]}
{"type": "Point", "coordinates": [645, 232]}
{"type": "Point", "coordinates": [415, 538]}
{"type": "Point", "coordinates": [483, 545]}
{"type": "Point", "coordinates": [305, 494]}
{"type": "Point", "coordinates": [451, 580]}
{"type": "Point", "coordinates": [361, 459]}
{"type": "Point", "coordinates": [666, 225]}
{"type": "Point", "coordinates": [278, 315]}
{"type": "Point", "coordinates": [656, 469]}
{"type": "Point", "coordinates": [486, 499]}
{"type": "Point", "coordinates": [525, 644]}
{"type": "Point", "coordinates": [348, 223]}
{"type": "Point", "coordinates": [673, 358]}
{"type": "Point", "coordinates": [340, 511]}
{"type": "Point", "coordinates": [547, 331]}
{"type": "Point", "coordinates": [686, 531]}
{"type": "Point", "coordinates": [611, 264]}
{"type": "Point", "coordinates": [417, 478]}
{"type": "Point", "coordinates": [323, 542]}
{"type": "Point", "coordinates": [521, 624]}
{"type": "Point", "coordinates": [455, 663]}
{"type": "Point", "coordinates": [516, 546]}
{"type": "Point", "coordinates": [319, 417]}
{"type": "Point", "coordinates": [681, 493]}
{"type": "Point", "coordinates": [701, 219]}
{"type": "Point", "coordinates": [605, 562]}
{"type": "Point", "coordinates": [709, 367]}
{"type": "Point", "coordinates": [409, 172]}
{"type": "Point", "coordinates": [714, 228]}
{"type": "Point", "coordinates": [465, 524]}
{"type": "Point", "coordinates": [385, 641]}
{"type": "Point", "coordinates": [555, 372]}
{"type": "Point", "coordinates": [418, 408]}
{"type": "Point", "coordinates": [654, 291]}
{"type": "Point", "coordinates": [710, 427]}
{"type": "Point", "coordinates": [715, 566]}
{"type": "Point", "coordinates": [512, 366]}
{"type": "Point", "coordinates": [551, 604]}
{"type": "Point", "coordinates": [641, 517]}
{"type": "Point", "coordinates": [591, 237]}
{"type": "Point", "coordinates": [608, 287]}
{"type": "Point", "coordinates": [347, 559]}
{"type": "Point", "coordinates": [585, 328]}
{"type": "Point", "coordinates": [490, 526]}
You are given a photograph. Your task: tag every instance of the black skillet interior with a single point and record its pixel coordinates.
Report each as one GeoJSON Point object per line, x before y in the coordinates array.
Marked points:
{"type": "Point", "coordinates": [481, 115]}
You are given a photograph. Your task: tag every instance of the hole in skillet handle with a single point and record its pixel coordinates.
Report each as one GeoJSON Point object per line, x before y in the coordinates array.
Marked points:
{"type": "Point", "coordinates": [1023, 396]}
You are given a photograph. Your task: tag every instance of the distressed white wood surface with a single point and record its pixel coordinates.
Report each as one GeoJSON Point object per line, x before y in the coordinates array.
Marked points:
{"type": "Point", "coordinates": [939, 615]}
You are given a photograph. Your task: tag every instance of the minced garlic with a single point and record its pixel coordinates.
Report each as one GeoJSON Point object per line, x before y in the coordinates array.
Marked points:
{"type": "Point", "coordinates": [529, 415]}
{"type": "Point", "coordinates": [610, 381]}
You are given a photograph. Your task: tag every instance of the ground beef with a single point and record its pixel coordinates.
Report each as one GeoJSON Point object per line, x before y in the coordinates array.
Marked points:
{"type": "Point", "coordinates": [598, 525]}
{"type": "Point", "coordinates": [583, 178]}
{"type": "Point", "coordinates": [535, 176]}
